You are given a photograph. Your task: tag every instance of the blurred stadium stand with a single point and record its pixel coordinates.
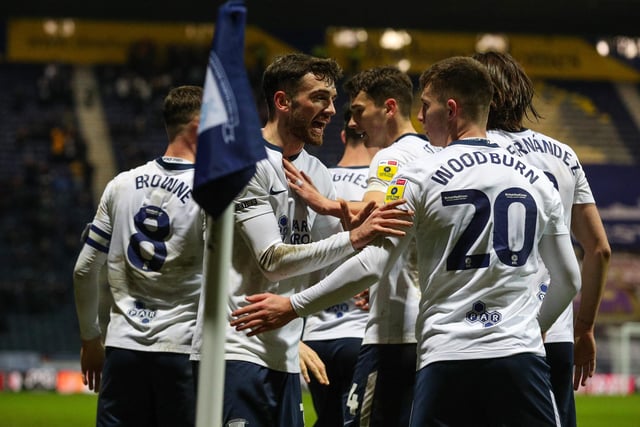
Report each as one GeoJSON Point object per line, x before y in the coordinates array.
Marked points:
{"type": "Point", "coordinates": [576, 17]}
{"type": "Point", "coordinates": [591, 117]}
{"type": "Point", "coordinates": [46, 201]}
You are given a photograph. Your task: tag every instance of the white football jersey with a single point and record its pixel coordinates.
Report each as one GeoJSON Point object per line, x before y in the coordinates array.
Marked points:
{"type": "Point", "coordinates": [350, 182]}
{"type": "Point", "coordinates": [267, 213]}
{"type": "Point", "coordinates": [478, 231]}
{"type": "Point", "coordinates": [152, 231]}
{"type": "Point", "coordinates": [480, 214]}
{"type": "Point", "coordinates": [393, 320]}
{"type": "Point", "coordinates": [561, 164]}
{"type": "Point", "coordinates": [345, 319]}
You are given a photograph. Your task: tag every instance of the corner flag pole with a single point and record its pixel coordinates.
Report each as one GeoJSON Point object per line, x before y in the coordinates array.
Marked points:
{"type": "Point", "coordinates": [217, 263]}
{"type": "Point", "coordinates": [229, 146]}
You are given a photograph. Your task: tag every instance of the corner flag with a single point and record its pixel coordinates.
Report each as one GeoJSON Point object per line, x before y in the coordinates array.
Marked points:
{"type": "Point", "coordinates": [229, 146]}
{"type": "Point", "coordinates": [229, 137]}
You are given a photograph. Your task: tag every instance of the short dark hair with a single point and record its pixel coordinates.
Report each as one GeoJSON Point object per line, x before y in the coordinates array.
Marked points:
{"type": "Point", "coordinates": [461, 78]}
{"type": "Point", "coordinates": [180, 106]}
{"type": "Point", "coordinates": [286, 72]}
{"type": "Point", "coordinates": [382, 83]}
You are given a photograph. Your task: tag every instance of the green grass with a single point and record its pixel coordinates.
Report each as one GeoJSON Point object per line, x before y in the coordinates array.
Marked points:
{"type": "Point", "coordinates": [78, 410]}
{"type": "Point", "coordinates": [47, 410]}
{"type": "Point", "coordinates": [604, 411]}
{"type": "Point", "coordinates": [74, 410]}
{"type": "Point", "coordinates": [309, 413]}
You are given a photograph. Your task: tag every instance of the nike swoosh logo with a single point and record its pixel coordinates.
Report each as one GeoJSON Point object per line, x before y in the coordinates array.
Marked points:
{"type": "Point", "coordinates": [274, 192]}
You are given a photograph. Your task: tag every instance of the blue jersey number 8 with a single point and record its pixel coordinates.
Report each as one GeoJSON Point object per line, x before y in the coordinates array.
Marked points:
{"type": "Point", "coordinates": [147, 249]}
{"type": "Point", "coordinates": [460, 259]}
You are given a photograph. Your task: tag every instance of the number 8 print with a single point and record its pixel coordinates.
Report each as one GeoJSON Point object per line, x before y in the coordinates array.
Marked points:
{"type": "Point", "coordinates": [147, 249]}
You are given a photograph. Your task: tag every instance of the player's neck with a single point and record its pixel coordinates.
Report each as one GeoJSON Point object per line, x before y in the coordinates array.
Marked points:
{"type": "Point", "coordinates": [469, 130]}
{"type": "Point", "coordinates": [181, 148]}
{"type": "Point", "coordinates": [355, 157]}
{"type": "Point", "coordinates": [404, 127]}
{"type": "Point", "coordinates": [281, 137]}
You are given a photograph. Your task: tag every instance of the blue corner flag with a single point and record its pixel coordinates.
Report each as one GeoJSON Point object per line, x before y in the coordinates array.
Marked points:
{"type": "Point", "coordinates": [229, 137]}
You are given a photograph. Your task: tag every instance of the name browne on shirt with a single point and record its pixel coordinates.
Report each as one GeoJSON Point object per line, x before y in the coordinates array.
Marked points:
{"type": "Point", "coordinates": [173, 185]}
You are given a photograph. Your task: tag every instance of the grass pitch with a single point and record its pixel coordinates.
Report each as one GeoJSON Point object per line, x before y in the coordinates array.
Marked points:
{"type": "Point", "coordinates": [78, 410]}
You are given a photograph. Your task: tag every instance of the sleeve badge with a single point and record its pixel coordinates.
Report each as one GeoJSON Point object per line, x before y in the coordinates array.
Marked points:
{"type": "Point", "coordinates": [387, 169]}
{"type": "Point", "coordinates": [395, 190]}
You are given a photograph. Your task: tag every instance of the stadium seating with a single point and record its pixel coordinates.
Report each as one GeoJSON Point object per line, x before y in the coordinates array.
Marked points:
{"type": "Point", "coordinates": [592, 118]}
{"type": "Point", "coordinates": [45, 206]}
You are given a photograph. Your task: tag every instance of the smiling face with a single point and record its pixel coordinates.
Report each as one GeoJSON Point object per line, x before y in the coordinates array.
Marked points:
{"type": "Point", "coordinates": [311, 109]}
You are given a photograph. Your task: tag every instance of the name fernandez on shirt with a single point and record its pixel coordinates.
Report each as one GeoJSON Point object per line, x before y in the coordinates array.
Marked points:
{"type": "Point", "coordinates": [524, 146]}
{"type": "Point", "coordinates": [171, 184]}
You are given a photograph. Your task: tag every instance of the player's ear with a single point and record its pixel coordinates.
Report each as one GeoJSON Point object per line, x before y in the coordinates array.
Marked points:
{"type": "Point", "coordinates": [452, 108]}
{"type": "Point", "coordinates": [193, 125]}
{"type": "Point", "coordinates": [281, 100]}
{"type": "Point", "coordinates": [391, 105]}
{"type": "Point", "coordinates": [343, 136]}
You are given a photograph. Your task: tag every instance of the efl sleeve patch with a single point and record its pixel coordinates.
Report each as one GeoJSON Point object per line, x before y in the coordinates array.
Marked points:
{"type": "Point", "coordinates": [245, 204]}
{"type": "Point", "coordinates": [395, 190]}
{"type": "Point", "coordinates": [387, 169]}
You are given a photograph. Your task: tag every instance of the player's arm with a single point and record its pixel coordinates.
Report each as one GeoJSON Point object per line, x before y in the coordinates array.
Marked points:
{"type": "Point", "coordinates": [85, 282]}
{"type": "Point", "coordinates": [86, 275]}
{"type": "Point", "coordinates": [280, 260]}
{"type": "Point", "coordinates": [559, 257]}
{"type": "Point", "coordinates": [589, 232]}
{"type": "Point", "coordinates": [256, 220]}
{"type": "Point", "coordinates": [269, 311]}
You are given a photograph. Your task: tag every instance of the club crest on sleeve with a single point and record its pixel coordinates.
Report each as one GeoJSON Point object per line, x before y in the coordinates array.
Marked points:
{"type": "Point", "coordinates": [387, 169]}
{"type": "Point", "coordinates": [395, 190]}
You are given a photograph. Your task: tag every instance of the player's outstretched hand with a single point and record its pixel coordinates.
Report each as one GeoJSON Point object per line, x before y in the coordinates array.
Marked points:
{"type": "Point", "coordinates": [265, 312]}
{"type": "Point", "coordinates": [91, 362]}
{"type": "Point", "coordinates": [351, 220]}
{"type": "Point", "coordinates": [584, 358]}
{"type": "Point", "coordinates": [386, 220]}
{"type": "Point", "coordinates": [311, 362]}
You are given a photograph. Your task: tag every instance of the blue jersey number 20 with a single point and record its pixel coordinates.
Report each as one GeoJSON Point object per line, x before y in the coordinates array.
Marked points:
{"type": "Point", "coordinates": [460, 259]}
